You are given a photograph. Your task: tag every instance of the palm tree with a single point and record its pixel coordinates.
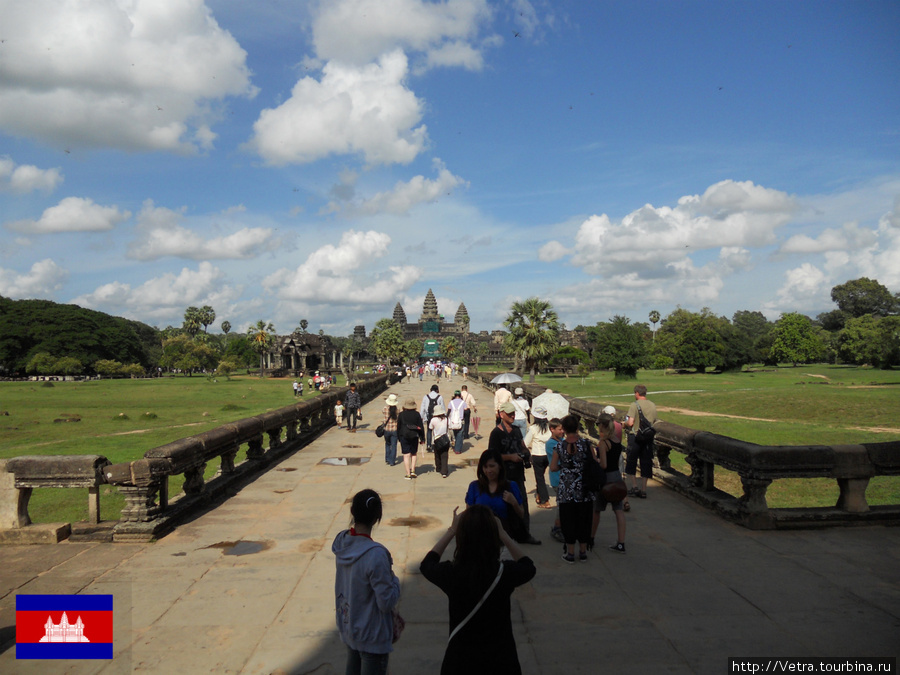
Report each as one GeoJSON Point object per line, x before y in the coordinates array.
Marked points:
{"type": "Point", "coordinates": [207, 316]}
{"type": "Point", "coordinates": [261, 338]}
{"type": "Point", "coordinates": [533, 333]}
{"type": "Point", "coordinates": [192, 321]}
{"type": "Point", "coordinates": [654, 319]}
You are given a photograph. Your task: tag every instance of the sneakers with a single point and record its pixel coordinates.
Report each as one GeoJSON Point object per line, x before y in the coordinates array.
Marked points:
{"type": "Point", "coordinates": [557, 534]}
{"type": "Point", "coordinates": [413, 475]}
{"type": "Point", "coordinates": [407, 477]}
{"type": "Point", "coordinates": [569, 558]}
{"type": "Point", "coordinates": [582, 557]}
{"type": "Point", "coordinates": [617, 548]}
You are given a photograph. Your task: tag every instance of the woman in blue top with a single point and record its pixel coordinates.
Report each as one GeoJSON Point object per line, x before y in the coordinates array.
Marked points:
{"type": "Point", "coordinates": [493, 490]}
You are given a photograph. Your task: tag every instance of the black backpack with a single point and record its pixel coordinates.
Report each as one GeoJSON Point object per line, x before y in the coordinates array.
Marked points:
{"type": "Point", "coordinates": [432, 404]}
{"type": "Point", "coordinates": [645, 433]}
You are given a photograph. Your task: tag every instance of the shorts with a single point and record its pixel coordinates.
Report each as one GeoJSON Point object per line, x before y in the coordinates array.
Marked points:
{"type": "Point", "coordinates": [409, 446]}
{"type": "Point", "coordinates": [600, 503]}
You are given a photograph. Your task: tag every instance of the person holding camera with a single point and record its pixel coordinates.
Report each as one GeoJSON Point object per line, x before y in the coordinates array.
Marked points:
{"type": "Point", "coordinates": [506, 438]}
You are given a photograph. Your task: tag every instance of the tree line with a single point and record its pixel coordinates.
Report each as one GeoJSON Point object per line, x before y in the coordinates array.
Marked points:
{"type": "Point", "coordinates": [44, 337]}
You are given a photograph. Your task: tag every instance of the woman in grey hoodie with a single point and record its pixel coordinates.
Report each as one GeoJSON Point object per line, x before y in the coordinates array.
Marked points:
{"type": "Point", "coordinates": [366, 591]}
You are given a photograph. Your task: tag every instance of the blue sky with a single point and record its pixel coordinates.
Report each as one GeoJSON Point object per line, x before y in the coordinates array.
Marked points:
{"type": "Point", "coordinates": [326, 160]}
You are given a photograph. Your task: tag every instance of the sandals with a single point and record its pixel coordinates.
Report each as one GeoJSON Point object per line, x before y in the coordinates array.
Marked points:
{"type": "Point", "coordinates": [626, 506]}
{"type": "Point", "coordinates": [545, 505]}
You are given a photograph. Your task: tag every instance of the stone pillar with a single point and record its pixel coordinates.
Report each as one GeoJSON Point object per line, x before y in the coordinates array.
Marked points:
{"type": "Point", "coordinates": [140, 503]}
{"type": "Point", "coordinates": [13, 502]}
{"type": "Point", "coordinates": [702, 473]}
{"type": "Point", "coordinates": [254, 448]}
{"type": "Point", "coordinates": [274, 438]}
{"type": "Point", "coordinates": [226, 466]}
{"type": "Point", "coordinates": [94, 505]}
{"type": "Point", "coordinates": [754, 497]}
{"type": "Point", "coordinates": [193, 480]}
{"type": "Point", "coordinates": [853, 495]}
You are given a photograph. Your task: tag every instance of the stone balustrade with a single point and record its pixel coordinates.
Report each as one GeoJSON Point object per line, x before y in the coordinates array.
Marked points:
{"type": "Point", "coordinates": [851, 466]}
{"type": "Point", "coordinates": [144, 482]}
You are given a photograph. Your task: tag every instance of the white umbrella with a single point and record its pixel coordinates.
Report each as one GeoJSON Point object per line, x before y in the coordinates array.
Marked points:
{"type": "Point", "coordinates": [556, 404]}
{"type": "Point", "coordinates": [506, 378]}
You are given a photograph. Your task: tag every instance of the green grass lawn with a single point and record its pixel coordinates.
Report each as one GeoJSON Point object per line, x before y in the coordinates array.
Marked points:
{"type": "Point", "coordinates": [122, 419]}
{"type": "Point", "coordinates": [806, 405]}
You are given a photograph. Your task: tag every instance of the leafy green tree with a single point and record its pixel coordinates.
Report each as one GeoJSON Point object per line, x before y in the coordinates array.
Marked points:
{"type": "Point", "coordinates": [533, 335]}
{"type": "Point", "coordinates": [700, 345]}
{"type": "Point", "coordinates": [241, 351]}
{"type": "Point", "coordinates": [226, 367]}
{"type": "Point", "coordinates": [750, 327]}
{"type": "Point", "coordinates": [859, 341]}
{"type": "Point", "coordinates": [832, 321]}
{"type": "Point", "coordinates": [107, 368]}
{"type": "Point", "coordinates": [42, 363]}
{"type": "Point", "coordinates": [621, 346]}
{"type": "Point", "coordinates": [28, 327]}
{"type": "Point", "coordinates": [795, 340]}
{"type": "Point", "coordinates": [864, 296]}
{"type": "Point", "coordinates": [206, 316]}
{"type": "Point", "coordinates": [450, 347]}
{"type": "Point", "coordinates": [571, 357]}
{"type": "Point", "coordinates": [133, 370]}
{"type": "Point", "coordinates": [192, 321]}
{"type": "Point", "coordinates": [226, 327]}
{"type": "Point", "coordinates": [386, 340]}
{"type": "Point", "coordinates": [871, 340]}
{"type": "Point", "coordinates": [69, 365]}
{"type": "Point", "coordinates": [262, 337]}
{"type": "Point", "coordinates": [413, 349]}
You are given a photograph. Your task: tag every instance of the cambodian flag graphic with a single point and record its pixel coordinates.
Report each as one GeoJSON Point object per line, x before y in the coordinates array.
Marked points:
{"type": "Point", "coordinates": [64, 627]}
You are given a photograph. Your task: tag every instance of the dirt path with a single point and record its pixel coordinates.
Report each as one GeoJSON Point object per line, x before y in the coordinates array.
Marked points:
{"type": "Point", "coordinates": [700, 413]}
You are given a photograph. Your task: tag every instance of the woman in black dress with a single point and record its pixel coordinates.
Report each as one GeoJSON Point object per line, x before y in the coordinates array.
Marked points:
{"type": "Point", "coordinates": [476, 579]}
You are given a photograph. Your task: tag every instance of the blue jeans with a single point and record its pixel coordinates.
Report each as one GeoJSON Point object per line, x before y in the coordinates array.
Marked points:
{"type": "Point", "coordinates": [390, 447]}
{"type": "Point", "coordinates": [365, 663]}
{"type": "Point", "coordinates": [458, 436]}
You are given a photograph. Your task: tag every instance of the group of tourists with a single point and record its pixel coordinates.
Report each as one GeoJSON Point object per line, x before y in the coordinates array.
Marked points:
{"type": "Point", "coordinates": [488, 563]}
{"type": "Point", "coordinates": [437, 426]}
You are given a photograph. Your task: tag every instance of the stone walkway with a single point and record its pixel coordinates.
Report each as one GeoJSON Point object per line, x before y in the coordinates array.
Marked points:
{"type": "Point", "coordinates": [692, 590]}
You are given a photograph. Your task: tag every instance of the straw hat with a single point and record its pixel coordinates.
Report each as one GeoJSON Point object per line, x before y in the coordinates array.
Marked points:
{"type": "Point", "coordinates": [391, 400]}
{"type": "Point", "coordinates": [409, 404]}
{"type": "Point", "coordinates": [610, 410]}
{"type": "Point", "coordinates": [439, 410]}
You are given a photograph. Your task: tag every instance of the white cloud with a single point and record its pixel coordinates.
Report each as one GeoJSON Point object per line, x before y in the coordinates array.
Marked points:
{"type": "Point", "coordinates": [333, 274]}
{"type": "Point", "coordinates": [805, 287]}
{"type": "Point", "coordinates": [41, 280]}
{"type": "Point", "coordinates": [366, 110]}
{"type": "Point", "coordinates": [850, 236]}
{"type": "Point", "coordinates": [161, 235]}
{"type": "Point", "coordinates": [404, 196]}
{"type": "Point", "coordinates": [164, 297]}
{"type": "Point", "coordinates": [552, 251]}
{"type": "Point", "coordinates": [26, 177]}
{"type": "Point", "coordinates": [73, 214]}
{"type": "Point", "coordinates": [116, 73]}
{"type": "Point", "coordinates": [360, 31]}
{"type": "Point", "coordinates": [728, 215]}
{"type": "Point", "coordinates": [848, 253]}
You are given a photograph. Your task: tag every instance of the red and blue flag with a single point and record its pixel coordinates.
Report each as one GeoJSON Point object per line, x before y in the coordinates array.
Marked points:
{"type": "Point", "coordinates": [64, 626]}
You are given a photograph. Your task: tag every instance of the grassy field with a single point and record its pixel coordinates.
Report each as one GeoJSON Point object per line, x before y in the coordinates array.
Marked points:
{"type": "Point", "coordinates": [122, 419]}
{"type": "Point", "coordinates": [806, 405]}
